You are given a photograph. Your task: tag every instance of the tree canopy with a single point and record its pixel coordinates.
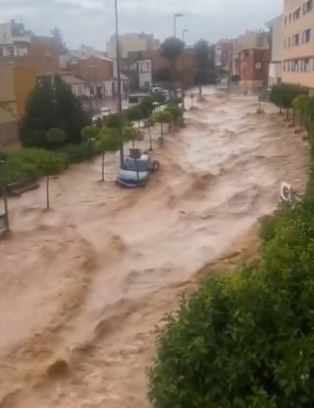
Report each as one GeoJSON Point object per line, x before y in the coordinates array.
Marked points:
{"type": "Point", "coordinates": [205, 62]}
{"type": "Point", "coordinates": [52, 105]}
{"type": "Point", "coordinates": [171, 48]}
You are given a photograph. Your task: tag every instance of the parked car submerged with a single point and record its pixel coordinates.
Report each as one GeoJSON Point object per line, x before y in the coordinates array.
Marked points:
{"type": "Point", "coordinates": [137, 169]}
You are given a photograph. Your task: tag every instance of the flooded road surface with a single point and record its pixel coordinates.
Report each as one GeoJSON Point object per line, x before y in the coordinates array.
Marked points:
{"type": "Point", "coordinates": [83, 285]}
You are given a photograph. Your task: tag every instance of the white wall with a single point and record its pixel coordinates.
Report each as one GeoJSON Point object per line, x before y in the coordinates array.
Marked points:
{"type": "Point", "coordinates": [130, 43]}
{"type": "Point", "coordinates": [145, 74]}
{"type": "Point", "coordinates": [277, 39]}
{"type": "Point", "coordinates": [275, 73]}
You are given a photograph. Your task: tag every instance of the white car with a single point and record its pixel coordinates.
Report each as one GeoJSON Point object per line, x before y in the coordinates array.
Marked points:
{"type": "Point", "coordinates": [104, 112]}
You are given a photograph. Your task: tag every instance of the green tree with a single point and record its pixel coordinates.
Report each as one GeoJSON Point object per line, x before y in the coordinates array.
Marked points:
{"type": "Point", "coordinates": [171, 49]}
{"type": "Point", "coordinates": [163, 117]}
{"type": "Point", "coordinates": [283, 95]}
{"type": "Point", "coordinates": [55, 138]}
{"type": "Point", "coordinates": [39, 115]}
{"type": "Point", "coordinates": [50, 165]}
{"type": "Point", "coordinates": [205, 62]}
{"type": "Point", "coordinates": [52, 105]}
{"type": "Point", "coordinates": [69, 114]}
{"type": "Point", "coordinates": [106, 142]}
{"type": "Point", "coordinates": [130, 133]}
{"type": "Point", "coordinates": [301, 105]}
{"type": "Point", "coordinates": [149, 123]}
{"type": "Point", "coordinates": [101, 140]}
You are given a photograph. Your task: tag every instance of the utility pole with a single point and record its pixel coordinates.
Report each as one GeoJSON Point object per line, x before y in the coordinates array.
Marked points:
{"type": "Point", "coordinates": [120, 130]}
{"type": "Point", "coordinates": [183, 34]}
{"type": "Point", "coordinates": [177, 15]}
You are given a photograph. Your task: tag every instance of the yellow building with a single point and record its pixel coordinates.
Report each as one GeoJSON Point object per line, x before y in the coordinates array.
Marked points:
{"type": "Point", "coordinates": [16, 83]}
{"type": "Point", "coordinates": [298, 54]}
{"type": "Point", "coordinates": [24, 58]}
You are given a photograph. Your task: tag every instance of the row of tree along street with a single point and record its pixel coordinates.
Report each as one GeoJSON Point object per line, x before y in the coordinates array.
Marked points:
{"type": "Point", "coordinates": [55, 132]}
{"type": "Point", "coordinates": [55, 129]}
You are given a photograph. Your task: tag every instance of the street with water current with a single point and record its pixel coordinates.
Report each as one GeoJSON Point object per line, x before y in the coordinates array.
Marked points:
{"type": "Point", "coordinates": [85, 284]}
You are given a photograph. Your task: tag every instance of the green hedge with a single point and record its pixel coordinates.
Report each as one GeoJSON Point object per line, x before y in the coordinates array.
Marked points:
{"type": "Point", "coordinates": [247, 340]}
{"type": "Point", "coordinates": [79, 153]}
{"type": "Point", "coordinates": [27, 164]}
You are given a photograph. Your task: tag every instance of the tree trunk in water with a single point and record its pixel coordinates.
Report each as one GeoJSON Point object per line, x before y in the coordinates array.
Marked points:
{"type": "Point", "coordinates": [103, 168]}
{"type": "Point", "coordinates": [137, 172]}
{"type": "Point", "coordinates": [287, 114]}
{"type": "Point", "coordinates": [6, 210]}
{"type": "Point", "coordinates": [293, 117]}
{"type": "Point", "coordinates": [280, 110]}
{"type": "Point", "coordinates": [47, 193]}
{"type": "Point", "coordinates": [150, 139]}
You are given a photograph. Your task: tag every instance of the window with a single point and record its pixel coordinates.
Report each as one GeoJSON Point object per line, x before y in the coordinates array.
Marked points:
{"type": "Point", "coordinates": [290, 17]}
{"type": "Point", "coordinates": [295, 40]}
{"type": "Point", "coordinates": [306, 36]}
{"type": "Point", "coordinates": [296, 14]}
{"type": "Point", "coordinates": [286, 20]}
{"type": "Point", "coordinates": [306, 64]}
{"type": "Point", "coordinates": [289, 42]}
{"type": "Point", "coordinates": [308, 6]}
{"type": "Point", "coordinates": [145, 67]}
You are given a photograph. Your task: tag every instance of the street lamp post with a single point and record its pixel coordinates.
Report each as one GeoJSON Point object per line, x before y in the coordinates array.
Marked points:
{"type": "Point", "coordinates": [185, 31]}
{"type": "Point", "coordinates": [119, 83]}
{"type": "Point", "coordinates": [177, 15]}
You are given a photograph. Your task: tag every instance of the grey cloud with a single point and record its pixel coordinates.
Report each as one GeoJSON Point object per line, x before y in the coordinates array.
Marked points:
{"type": "Point", "coordinates": [92, 21]}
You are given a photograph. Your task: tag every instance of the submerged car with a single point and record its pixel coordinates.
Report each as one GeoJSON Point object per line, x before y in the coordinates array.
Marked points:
{"type": "Point", "coordinates": [137, 169]}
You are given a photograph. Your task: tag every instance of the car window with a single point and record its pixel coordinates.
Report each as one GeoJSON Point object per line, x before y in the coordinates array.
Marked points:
{"type": "Point", "coordinates": [135, 165]}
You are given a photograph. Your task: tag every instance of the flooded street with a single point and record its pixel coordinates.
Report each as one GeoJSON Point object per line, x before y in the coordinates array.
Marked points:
{"type": "Point", "coordinates": [83, 286]}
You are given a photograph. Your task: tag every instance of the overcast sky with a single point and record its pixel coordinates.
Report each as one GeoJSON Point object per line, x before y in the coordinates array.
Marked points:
{"type": "Point", "coordinates": [91, 22]}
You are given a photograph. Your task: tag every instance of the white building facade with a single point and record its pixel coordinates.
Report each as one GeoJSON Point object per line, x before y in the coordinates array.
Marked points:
{"type": "Point", "coordinates": [276, 27]}
{"type": "Point", "coordinates": [14, 40]}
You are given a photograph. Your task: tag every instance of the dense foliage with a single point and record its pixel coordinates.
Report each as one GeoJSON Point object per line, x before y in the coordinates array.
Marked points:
{"type": "Point", "coordinates": [247, 340]}
{"type": "Point", "coordinates": [283, 95]}
{"type": "Point", "coordinates": [205, 57]}
{"type": "Point", "coordinates": [32, 163]}
{"type": "Point", "coordinates": [171, 48]}
{"type": "Point", "coordinates": [52, 105]}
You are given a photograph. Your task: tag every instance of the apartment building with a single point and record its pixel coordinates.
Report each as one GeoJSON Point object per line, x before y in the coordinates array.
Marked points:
{"type": "Point", "coordinates": [248, 41]}
{"type": "Point", "coordinates": [24, 58]}
{"type": "Point", "coordinates": [224, 55]}
{"type": "Point", "coordinates": [298, 53]}
{"type": "Point", "coordinates": [131, 42]}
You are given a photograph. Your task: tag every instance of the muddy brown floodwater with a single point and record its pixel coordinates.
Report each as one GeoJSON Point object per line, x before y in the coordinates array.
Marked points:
{"type": "Point", "coordinates": [83, 285]}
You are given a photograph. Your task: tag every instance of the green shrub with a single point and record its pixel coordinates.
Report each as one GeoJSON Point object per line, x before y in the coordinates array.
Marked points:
{"type": "Point", "coordinates": [28, 163]}
{"type": "Point", "coordinates": [79, 153]}
{"type": "Point", "coordinates": [55, 138]}
{"type": "Point", "coordinates": [246, 341]}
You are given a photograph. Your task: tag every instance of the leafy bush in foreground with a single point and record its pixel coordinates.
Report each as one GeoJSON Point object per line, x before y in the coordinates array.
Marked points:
{"type": "Point", "coordinates": [246, 341]}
